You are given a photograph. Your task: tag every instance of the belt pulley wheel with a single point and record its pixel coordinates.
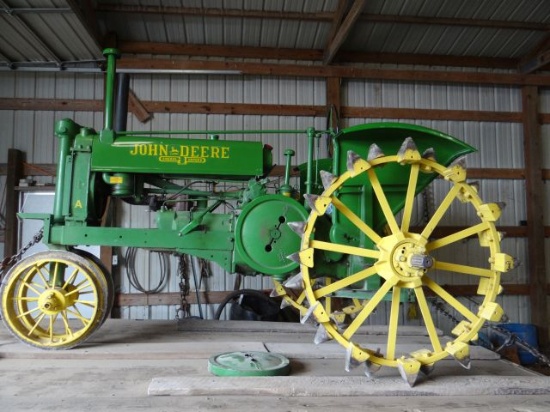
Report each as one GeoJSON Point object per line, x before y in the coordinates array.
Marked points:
{"type": "Point", "coordinates": [405, 260]}
{"type": "Point", "coordinates": [54, 299]}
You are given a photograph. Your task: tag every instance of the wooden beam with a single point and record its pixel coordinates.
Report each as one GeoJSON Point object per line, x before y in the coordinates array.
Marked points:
{"type": "Point", "coordinates": [69, 105]}
{"type": "Point", "coordinates": [451, 21]}
{"type": "Point", "coordinates": [136, 107]}
{"type": "Point", "coordinates": [14, 174]}
{"type": "Point", "coordinates": [343, 31]}
{"type": "Point", "coordinates": [334, 101]}
{"type": "Point", "coordinates": [219, 51]}
{"type": "Point", "coordinates": [176, 49]}
{"type": "Point", "coordinates": [313, 71]}
{"type": "Point", "coordinates": [217, 297]}
{"type": "Point", "coordinates": [148, 107]}
{"type": "Point", "coordinates": [532, 142]}
{"type": "Point", "coordinates": [536, 58]}
{"type": "Point", "coordinates": [216, 12]}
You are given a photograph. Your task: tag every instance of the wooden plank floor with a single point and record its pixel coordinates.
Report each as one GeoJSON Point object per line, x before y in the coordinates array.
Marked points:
{"type": "Point", "coordinates": [118, 366]}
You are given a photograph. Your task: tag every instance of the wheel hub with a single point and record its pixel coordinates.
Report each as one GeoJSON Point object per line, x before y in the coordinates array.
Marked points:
{"type": "Point", "coordinates": [53, 301]}
{"type": "Point", "coordinates": [410, 260]}
{"type": "Point", "coordinates": [405, 258]}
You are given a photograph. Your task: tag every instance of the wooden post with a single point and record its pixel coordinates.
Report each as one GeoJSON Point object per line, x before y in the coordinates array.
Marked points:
{"type": "Point", "coordinates": [14, 173]}
{"type": "Point", "coordinates": [535, 222]}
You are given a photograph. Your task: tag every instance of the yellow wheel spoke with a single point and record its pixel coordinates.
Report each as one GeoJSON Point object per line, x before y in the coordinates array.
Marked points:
{"type": "Point", "coordinates": [24, 314]}
{"type": "Point", "coordinates": [394, 319]}
{"type": "Point", "coordinates": [90, 303]}
{"type": "Point", "coordinates": [428, 321]}
{"type": "Point", "coordinates": [409, 198]}
{"type": "Point", "coordinates": [369, 307]}
{"type": "Point", "coordinates": [55, 273]}
{"type": "Point", "coordinates": [71, 278]}
{"type": "Point", "coordinates": [443, 207]}
{"type": "Point", "coordinates": [30, 286]}
{"type": "Point", "coordinates": [468, 270]}
{"type": "Point", "coordinates": [27, 298]}
{"type": "Point", "coordinates": [76, 313]}
{"type": "Point", "coordinates": [455, 237]}
{"type": "Point", "coordinates": [81, 286]}
{"type": "Point", "coordinates": [349, 250]}
{"type": "Point", "coordinates": [41, 276]}
{"type": "Point", "coordinates": [383, 201]}
{"type": "Point", "coordinates": [347, 281]}
{"type": "Point", "coordinates": [353, 218]}
{"type": "Point", "coordinates": [36, 323]}
{"type": "Point", "coordinates": [447, 297]}
{"type": "Point", "coordinates": [68, 330]}
{"type": "Point", "coordinates": [52, 318]}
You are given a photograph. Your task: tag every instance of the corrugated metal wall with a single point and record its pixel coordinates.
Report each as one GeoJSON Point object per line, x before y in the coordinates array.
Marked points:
{"type": "Point", "coordinates": [499, 144]}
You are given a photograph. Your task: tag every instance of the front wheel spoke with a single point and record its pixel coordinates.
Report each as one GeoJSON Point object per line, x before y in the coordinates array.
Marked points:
{"type": "Point", "coordinates": [455, 237]}
{"type": "Point", "coordinates": [68, 330]}
{"type": "Point", "coordinates": [89, 303]}
{"type": "Point", "coordinates": [22, 315]}
{"type": "Point", "coordinates": [353, 218]}
{"type": "Point", "coordinates": [449, 299]}
{"type": "Point", "coordinates": [383, 201]}
{"type": "Point", "coordinates": [394, 319]}
{"type": "Point", "coordinates": [428, 321]}
{"type": "Point", "coordinates": [82, 285]}
{"type": "Point", "coordinates": [409, 198]}
{"type": "Point", "coordinates": [71, 278]}
{"type": "Point", "coordinates": [52, 319]}
{"type": "Point", "coordinates": [467, 270]}
{"type": "Point", "coordinates": [349, 250]}
{"type": "Point", "coordinates": [36, 323]}
{"type": "Point", "coordinates": [369, 307]}
{"type": "Point", "coordinates": [438, 215]}
{"type": "Point", "coordinates": [26, 299]}
{"type": "Point", "coordinates": [76, 313]}
{"type": "Point", "coordinates": [42, 277]}
{"type": "Point", "coordinates": [347, 281]}
{"type": "Point", "coordinates": [30, 286]}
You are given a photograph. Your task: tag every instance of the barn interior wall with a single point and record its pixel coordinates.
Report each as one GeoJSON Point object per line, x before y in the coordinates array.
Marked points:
{"type": "Point", "coordinates": [500, 145]}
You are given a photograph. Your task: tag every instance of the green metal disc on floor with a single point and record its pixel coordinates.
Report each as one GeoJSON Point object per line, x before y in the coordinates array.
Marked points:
{"type": "Point", "coordinates": [249, 364]}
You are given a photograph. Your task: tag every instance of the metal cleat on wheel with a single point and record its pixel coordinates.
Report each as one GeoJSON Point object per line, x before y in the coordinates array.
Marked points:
{"type": "Point", "coordinates": [409, 369]}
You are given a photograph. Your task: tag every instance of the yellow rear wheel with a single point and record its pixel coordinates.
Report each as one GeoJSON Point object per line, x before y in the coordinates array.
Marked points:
{"type": "Point", "coordinates": [408, 262]}
{"type": "Point", "coordinates": [54, 299]}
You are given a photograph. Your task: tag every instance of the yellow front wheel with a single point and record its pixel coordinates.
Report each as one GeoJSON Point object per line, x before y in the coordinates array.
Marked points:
{"type": "Point", "coordinates": [54, 300]}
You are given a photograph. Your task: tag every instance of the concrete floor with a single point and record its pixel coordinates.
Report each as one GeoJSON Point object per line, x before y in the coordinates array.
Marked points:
{"type": "Point", "coordinates": [124, 361]}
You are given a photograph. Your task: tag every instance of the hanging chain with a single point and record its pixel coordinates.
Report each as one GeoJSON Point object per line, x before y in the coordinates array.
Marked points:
{"type": "Point", "coordinates": [439, 306]}
{"type": "Point", "coordinates": [510, 338]}
{"type": "Point", "coordinates": [184, 310]}
{"type": "Point", "coordinates": [10, 261]}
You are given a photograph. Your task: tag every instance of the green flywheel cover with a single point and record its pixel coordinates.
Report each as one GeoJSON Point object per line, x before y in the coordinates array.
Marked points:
{"type": "Point", "coordinates": [249, 364]}
{"type": "Point", "coordinates": [263, 239]}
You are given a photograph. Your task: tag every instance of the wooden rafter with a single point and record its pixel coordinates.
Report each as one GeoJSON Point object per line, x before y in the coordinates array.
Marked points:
{"type": "Point", "coordinates": [213, 12]}
{"type": "Point", "coordinates": [343, 31]}
{"type": "Point", "coordinates": [532, 142]}
{"type": "Point", "coordinates": [244, 52]}
{"type": "Point", "coordinates": [537, 58]}
{"type": "Point", "coordinates": [336, 71]}
{"type": "Point", "coordinates": [147, 107]}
